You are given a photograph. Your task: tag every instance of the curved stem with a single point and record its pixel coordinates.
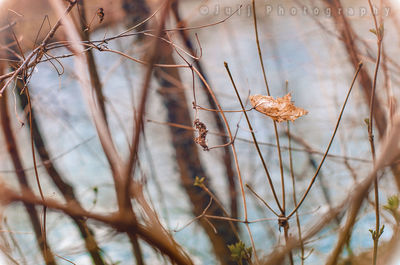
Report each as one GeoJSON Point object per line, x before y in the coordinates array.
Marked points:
{"type": "Point", "coordinates": [330, 143]}
{"type": "Point", "coordinates": [254, 140]}
{"type": "Point", "coordinates": [269, 94]}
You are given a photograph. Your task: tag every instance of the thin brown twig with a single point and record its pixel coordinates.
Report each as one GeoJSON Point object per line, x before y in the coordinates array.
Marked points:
{"type": "Point", "coordinates": [379, 35]}
{"type": "Point", "coordinates": [255, 140]}
{"type": "Point", "coordinates": [308, 150]}
{"type": "Point", "coordinates": [261, 199]}
{"type": "Point", "coordinates": [38, 52]}
{"type": "Point", "coordinates": [294, 193]}
{"type": "Point", "coordinates": [283, 208]}
{"type": "Point", "coordinates": [329, 144]}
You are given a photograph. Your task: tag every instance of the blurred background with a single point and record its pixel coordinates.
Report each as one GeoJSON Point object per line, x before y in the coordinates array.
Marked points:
{"type": "Point", "coordinates": [306, 52]}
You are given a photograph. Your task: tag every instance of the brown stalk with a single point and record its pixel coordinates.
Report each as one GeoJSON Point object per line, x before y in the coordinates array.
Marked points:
{"type": "Point", "coordinates": [354, 199]}
{"type": "Point", "coordinates": [114, 220]}
{"type": "Point", "coordinates": [306, 150]}
{"type": "Point", "coordinates": [294, 197]}
{"type": "Point", "coordinates": [125, 220]}
{"type": "Point", "coordinates": [227, 157]}
{"type": "Point", "coordinates": [138, 119]}
{"type": "Point", "coordinates": [329, 144]}
{"type": "Point", "coordinates": [283, 208]}
{"type": "Point", "coordinates": [231, 139]}
{"type": "Point", "coordinates": [93, 73]}
{"type": "Point", "coordinates": [39, 51]}
{"type": "Point", "coordinates": [99, 118]}
{"type": "Point", "coordinates": [65, 188]}
{"type": "Point", "coordinates": [348, 37]}
{"type": "Point", "coordinates": [379, 36]}
{"type": "Point", "coordinates": [23, 181]}
{"type": "Point", "coordinates": [254, 140]}
{"type": "Point", "coordinates": [125, 205]}
{"type": "Point", "coordinates": [186, 152]}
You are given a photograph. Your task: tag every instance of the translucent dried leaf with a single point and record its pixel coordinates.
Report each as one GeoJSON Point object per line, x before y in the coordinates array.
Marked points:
{"type": "Point", "coordinates": [279, 109]}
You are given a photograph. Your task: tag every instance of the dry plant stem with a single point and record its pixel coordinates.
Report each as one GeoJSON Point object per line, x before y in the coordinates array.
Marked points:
{"type": "Point", "coordinates": [187, 157]}
{"type": "Point", "coordinates": [36, 171]}
{"type": "Point", "coordinates": [99, 119]}
{"type": "Point", "coordinates": [253, 245]}
{"type": "Point", "coordinates": [233, 151]}
{"type": "Point", "coordinates": [314, 165]}
{"type": "Point", "coordinates": [203, 214]}
{"type": "Point", "coordinates": [330, 143]}
{"type": "Point", "coordinates": [354, 199]}
{"type": "Point", "coordinates": [114, 220]}
{"type": "Point", "coordinates": [10, 25]}
{"type": "Point", "coordinates": [65, 189]}
{"type": "Point", "coordinates": [137, 251]}
{"type": "Point", "coordinates": [121, 173]}
{"type": "Point", "coordinates": [277, 257]}
{"type": "Point", "coordinates": [102, 128]}
{"type": "Point", "coordinates": [261, 199]}
{"type": "Point", "coordinates": [286, 232]}
{"type": "Point", "coordinates": [94, 76]}
{"type": "Point", "coordinates": [227, 157]}
{"type": "Point", "coordinates": [23, 181]}
{"type": "Point", "coordinates": [294, 194]}
{"type": "Point", "coordinates": [347, 36]}
{"type": "Point", "coordinates": [138, 119]}
{"type": "Point", "coordinates": [230, 139]}
{"type": "Point", "coordinates": [379, 36]}
{"type": "Point", "coordinates": [306, 150]}
{"type": "Point", "coordinates": [355, 206]}
{"type": "Point", "coordinates": [29, 64]}
{"type": "Point", "coordinates": [283, 208]}
{"type": "Point", "coordinates": [204, 187]}
{"type": "Point", "coordinates": [255, 140]}
{"type": "Point", "coordinates": [39, 51]}
{"type": "Point", "coordinates": [15, 243]}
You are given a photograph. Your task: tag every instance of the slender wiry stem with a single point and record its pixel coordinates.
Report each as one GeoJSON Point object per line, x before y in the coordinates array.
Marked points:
{"type": "Point", "coordinates": [36, 172]}
{"type": "Point", "coordinates": [227, 157]}
{"type": "Point", "coordinates": [138, 119]}
{"type": "Point", "coordinates": [230, 139]}
{"type": "Point", "coordinates": [254, 139]}
{"type": "Point", "coordinates": [308, 150]}
{"type": "Point", "coordinates": [23, 181]}
{"type": "Point", "coordinates": [235, 231]}
{"type": "Point", "coordinates": [269, 94]}
{"type": "Point", "coordinates": [261, 199]}
{"type": "Point", "coordinates": [294, 195]}
{"type": "Point", "coordinates": [330, 142]}
{"type": "Point", "coordinates": [39, 50]}
{"type": "Point", "coordinates": [379, 35]}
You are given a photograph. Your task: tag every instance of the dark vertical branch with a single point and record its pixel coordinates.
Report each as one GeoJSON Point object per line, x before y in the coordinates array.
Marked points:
{"type": "Point", "coordinates": [227, 156]}
{"type": "Point", "coordinates": [186, 152]}
{"type": "Point", "coordinates": [65, 188]}
{"type": "Point", "coordinates": [22, 179]}
{"type": "Point", "coordinates": [137, 251]}
{"type": "Point", "coordinates": [94, 75]}
{"type": "Point", "coordinates": [348, 37]}
{"type": "Point", "coordinates": [97, 86]}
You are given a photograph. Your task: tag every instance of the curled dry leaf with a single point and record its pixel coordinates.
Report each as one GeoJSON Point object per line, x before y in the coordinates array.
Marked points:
{"type": "Point", "coordinates": [202, 134]}
{"type": "Point", "coordinates": [279, 109]}
{"type": "Point", "coordinates": [100, 14]}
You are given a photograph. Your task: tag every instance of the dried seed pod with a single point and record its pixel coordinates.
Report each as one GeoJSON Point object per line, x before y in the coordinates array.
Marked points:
{"type": "Point", "coordinates": [100, 14]}
{"type": "Point", "coordinates": [202, 134]}
{"type": "Point", "coordinates": [279, 109]}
